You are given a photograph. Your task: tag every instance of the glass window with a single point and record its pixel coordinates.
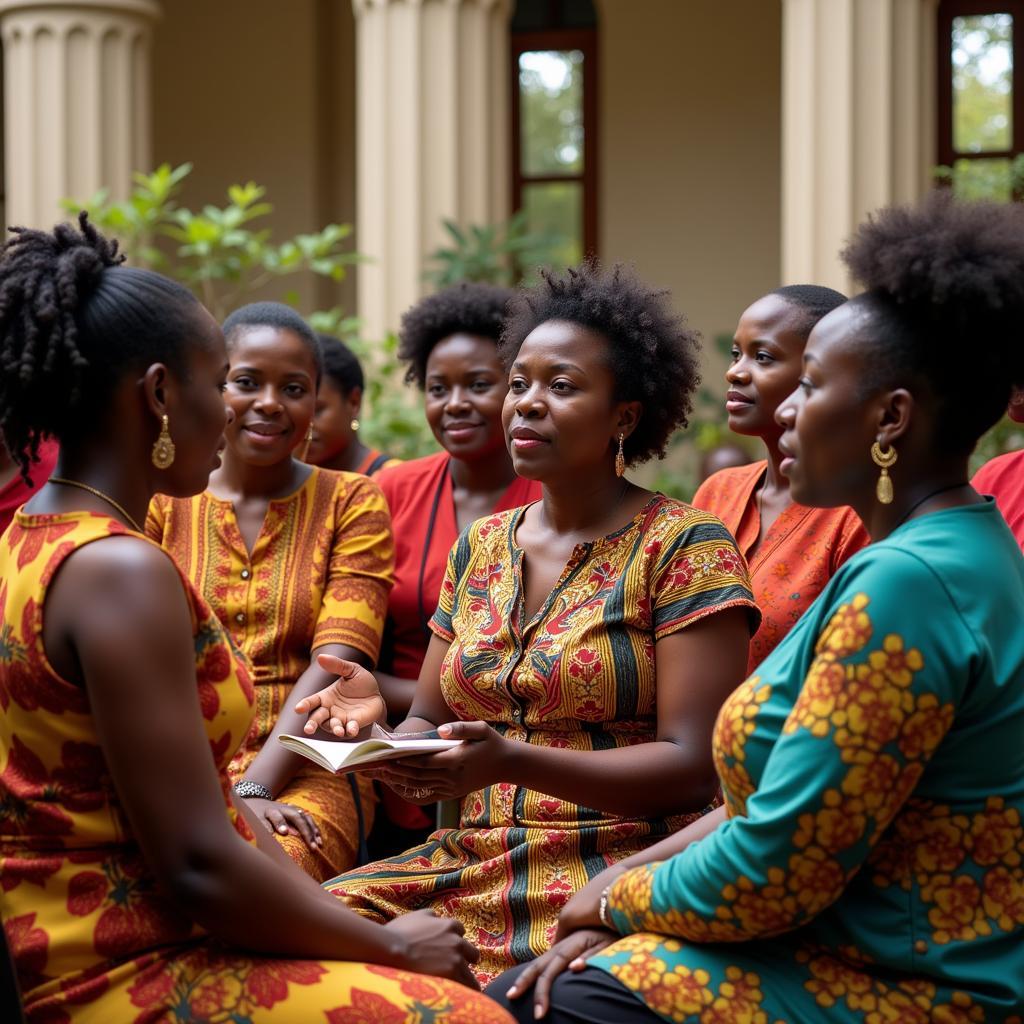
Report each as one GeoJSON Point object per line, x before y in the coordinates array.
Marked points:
{"type": "Point", "coordinates": [551, 111]}
{"type": "Point", "coordinates": [982, 83]}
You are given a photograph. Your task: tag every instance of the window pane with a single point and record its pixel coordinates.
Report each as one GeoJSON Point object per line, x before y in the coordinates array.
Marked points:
{"type": "Point", "coordinates": [982, 83]}
{"type": "Point", "coordinates": [983, 179]}
{"type": "Point", "coordinates": [556, 208]}
{"type": "Point", "coordinates": [551, 111]}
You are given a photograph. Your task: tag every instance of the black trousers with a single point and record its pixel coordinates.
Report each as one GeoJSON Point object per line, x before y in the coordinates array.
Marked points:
{"type": "Point", "coordinates": [590, 997]}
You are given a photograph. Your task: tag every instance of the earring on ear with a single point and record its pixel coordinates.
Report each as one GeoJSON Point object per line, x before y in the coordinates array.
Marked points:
{"type": "Point", "coordinates": [620, 457]}
{"type": "Point", "coordinates": [163, 447]}
{"type": "Point", "coordinates": [354, 425]}
{"type": "Point", "coordinates": [309, 441]}
{"type": "Point", "coordinates": [883, 489]}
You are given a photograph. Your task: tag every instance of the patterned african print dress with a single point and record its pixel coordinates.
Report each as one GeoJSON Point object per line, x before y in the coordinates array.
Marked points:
{"type": "Point", "coordinates": [579, 675]}
{"type": "Point", "coordinates": [872, 866]}
{"type": "Point", "coordinates": [94, 941]}
{"type": "Point", "coordinates": [319, 573]}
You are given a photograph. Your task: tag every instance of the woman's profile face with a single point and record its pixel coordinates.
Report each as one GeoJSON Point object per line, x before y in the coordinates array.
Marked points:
{"type": "Point", "coordinates": [197, 421]}
{"type": "Point", "coordinates": [560, 414]}
{"type": "Point", "coordinates": [272, 393]}
{"type": "Point", "coordinates": [463, 391]}
{"type": "Point", "coordinates": [828, 425]}
{"type": "Point", "coordinates": [766, 361]}
{"type": "Point", "coordinates": [332, 423]}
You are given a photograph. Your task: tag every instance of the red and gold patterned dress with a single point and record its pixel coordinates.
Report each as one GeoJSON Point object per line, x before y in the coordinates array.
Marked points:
{"type": "Point", "coordinates": [93, 939]}
{"type": "Point", "coordinates": [319, 573]}
{"type": "Point", "coordinates": [579, 675]}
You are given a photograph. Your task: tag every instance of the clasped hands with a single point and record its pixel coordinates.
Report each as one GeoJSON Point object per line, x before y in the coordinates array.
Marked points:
{"type": "Point", "coordinates": [353, 702]}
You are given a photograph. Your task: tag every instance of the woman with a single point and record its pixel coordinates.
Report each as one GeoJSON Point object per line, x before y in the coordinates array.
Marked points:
{"type": "Point", "coordinates": [335, 440]}
{"type": "Point", "coordinates": [132, 885]}
{"type": "Point", "coordinates": [792, 550]}
{"type": "Point", "coordinates": [449, 342]}
{"type": "Point", "coordinates": [583, 643]}
{"type": "Point", "coordinates": [296, 562]}
{"type": "Point", "coordinates": [872, 867]}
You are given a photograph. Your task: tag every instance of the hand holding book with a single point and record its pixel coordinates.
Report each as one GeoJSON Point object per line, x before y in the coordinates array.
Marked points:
{"type": "Point", "coordinates": [346, 707]}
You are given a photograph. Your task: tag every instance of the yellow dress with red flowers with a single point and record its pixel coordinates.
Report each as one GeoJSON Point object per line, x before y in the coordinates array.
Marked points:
{"type": "Point", "coordinates": [871, 869]}
{"type": "Point", "coordinates": [93, 939]}
{"type": "Point", "coordinates": [579, 675]}
{"type": "Point", "coordinates": [319, 573]}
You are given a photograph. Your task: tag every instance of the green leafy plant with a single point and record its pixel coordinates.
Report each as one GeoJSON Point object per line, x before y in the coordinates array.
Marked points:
{"type": "Point", "coordinates": [492, 253]}
{"type": "Point", "coordinates": [224, 253]}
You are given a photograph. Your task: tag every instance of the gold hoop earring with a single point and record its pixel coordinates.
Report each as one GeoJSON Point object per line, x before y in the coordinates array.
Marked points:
{"type": "Point", "coordinates": [620, 457]}
{"type": "Point", "coordinates": [309, 441]}
{"type": "Point", "coordinates": [354, 425]}
{"type": "Point", "coordinates": [163, 447]}
{"type": "Point", "coordinates": [883, 489]}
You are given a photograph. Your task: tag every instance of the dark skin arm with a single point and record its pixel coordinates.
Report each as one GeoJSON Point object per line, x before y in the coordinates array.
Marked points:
{"type": "Point", "coordinates": [398, 693]}
{"type": "Point", "coordinates": [117, 622]}
{"type": "Point", "coordinates": [274, 766]}
{"type": "Point", "coordinates": [697, 668]}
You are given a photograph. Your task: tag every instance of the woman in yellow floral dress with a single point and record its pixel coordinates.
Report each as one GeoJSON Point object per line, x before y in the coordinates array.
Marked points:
{"type": "Point", "coordinates": [123, 699]}
{"type": "Point", "coordinates": [871, 869]}
{"type": "Point", "coordinates": [296, 561]}
{"type": "Point", "coordinates": [584, 643]}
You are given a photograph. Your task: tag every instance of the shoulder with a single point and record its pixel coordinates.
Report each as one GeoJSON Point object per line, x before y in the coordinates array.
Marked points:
{"type": "Point", "coordinates": [407, 478]}
{"type": "Point", "coordinates": [998, 470]}
{"type": "Point", "coordinates": [726, 483]}
{"type": "Point", "coordinates": [672, 520]}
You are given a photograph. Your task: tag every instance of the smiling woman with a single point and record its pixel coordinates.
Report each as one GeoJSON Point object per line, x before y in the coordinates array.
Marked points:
{"type": "Point", "coordinates": [296, 561]}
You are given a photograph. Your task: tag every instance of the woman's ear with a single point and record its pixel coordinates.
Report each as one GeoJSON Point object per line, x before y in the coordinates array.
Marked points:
{"type": "Point", "coordinates": [157, 388]}
{"type": "Point", "coordinates": [629, 417]}
{"type": "Point", "coordinates": [895, 412]}
{"type": "Point", "coordinates": [355, 400]}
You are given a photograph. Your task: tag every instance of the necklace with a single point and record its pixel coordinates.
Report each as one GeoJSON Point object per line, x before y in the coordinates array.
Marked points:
{"type": "Point", "coordinates": [99, 494]}
{"type": "Point", "coordinates": [917, 504]}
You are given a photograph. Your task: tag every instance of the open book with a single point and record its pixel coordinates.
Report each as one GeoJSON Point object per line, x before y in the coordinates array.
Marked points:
{"type": "Point", "coordinates": [346, 756]}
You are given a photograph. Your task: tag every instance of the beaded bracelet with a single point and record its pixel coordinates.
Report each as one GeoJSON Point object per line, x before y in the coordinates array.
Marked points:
{"type": "Point", "coordinates": [602, 910]}
{"type": "Point", "coordinates": [249, 790]}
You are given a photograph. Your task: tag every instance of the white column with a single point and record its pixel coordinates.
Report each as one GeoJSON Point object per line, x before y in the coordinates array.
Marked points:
{"type": "Point", "coordinates": [76, 101]}
{"type": "Point", "coordinates": [432, 109]}
{"type": "Point", "coordinates": [858, 122]}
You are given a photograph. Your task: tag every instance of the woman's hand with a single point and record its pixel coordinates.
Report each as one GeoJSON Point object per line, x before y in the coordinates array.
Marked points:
{"type": "Point", "coordinates": [582, 910]}
{"type": "Point", "coordinates": [351, 703]}
{"type": "Point", "coordinates": [570, 953]}
{"type": "Point", "coordinates": [478, 761]}
{"type": "Point", "coordinates": [287, 820]}
{"type": "Point", "coordinates": [435, 946]}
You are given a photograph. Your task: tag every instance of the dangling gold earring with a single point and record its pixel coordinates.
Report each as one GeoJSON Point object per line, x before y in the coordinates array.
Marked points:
{"type": "Point", "coordinates": [354, 425]}
{"type": "Point", "coordinates": [309, 441]}
{"type": "Point", "coordinates": [620, 457]}
{"type": "Point", "coordinates": [163, 447]}
{"type": "Point", "coordinates": [883, 489]}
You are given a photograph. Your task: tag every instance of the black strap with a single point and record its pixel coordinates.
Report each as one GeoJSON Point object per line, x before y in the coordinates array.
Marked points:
{"type": "Point", "coordinates": [376, 464]}
{"type": "Point", "coordinates": [363, 855]}
{"type": "Point", "coordinates": [424, 617]}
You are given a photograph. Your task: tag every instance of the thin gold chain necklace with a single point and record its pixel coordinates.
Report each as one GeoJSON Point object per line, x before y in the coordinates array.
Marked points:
{"type": "Point", "coordinates": [99, 494]}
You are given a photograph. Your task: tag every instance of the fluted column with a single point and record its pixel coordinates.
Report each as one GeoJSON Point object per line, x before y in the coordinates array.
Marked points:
{"type": "Point", "coordinates": [858, 122]}
{"type": "Point", "coordinates": [76, 101]}
{"type": "Point", "coordinates": [431, 137]}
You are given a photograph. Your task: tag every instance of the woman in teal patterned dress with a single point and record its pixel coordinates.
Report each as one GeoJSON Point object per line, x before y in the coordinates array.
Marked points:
{"type": "Point", "coordinates": [871, 867]}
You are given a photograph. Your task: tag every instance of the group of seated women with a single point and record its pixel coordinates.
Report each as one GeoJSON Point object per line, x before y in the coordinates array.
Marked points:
{"type": "Point", "coordinates": [752, 758]}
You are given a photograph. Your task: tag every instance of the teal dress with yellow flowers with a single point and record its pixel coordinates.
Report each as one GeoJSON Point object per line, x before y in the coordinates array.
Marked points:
{"type": "Point", "coordinates": [871, 869]}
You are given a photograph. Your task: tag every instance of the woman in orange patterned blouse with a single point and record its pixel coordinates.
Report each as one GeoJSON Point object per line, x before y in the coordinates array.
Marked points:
{"type": "Point", "coordinates": [583, 643]}
{"type": "Point", "coordinates": [792, 550]}
{"type": "Point", "coordinates": [296, 561]}
{"type": "Point", "coordinates": [133, 888]}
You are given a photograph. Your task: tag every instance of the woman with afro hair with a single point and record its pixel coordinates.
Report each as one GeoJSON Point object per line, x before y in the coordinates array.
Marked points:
{"type": "Point", "coordinates": [872, 865]}
{"type": "Point", "coordinates": [134, 886]}
{"type": "Point", "coordinates": [582, 644]}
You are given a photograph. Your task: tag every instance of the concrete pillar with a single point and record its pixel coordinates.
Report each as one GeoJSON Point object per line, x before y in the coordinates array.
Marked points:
{"type": "Point", "coordinates": [432, 135]}
{"type": "Point", "coordinates": [858, 122]}
{"type": "Point", "coordinates": [76, 101]}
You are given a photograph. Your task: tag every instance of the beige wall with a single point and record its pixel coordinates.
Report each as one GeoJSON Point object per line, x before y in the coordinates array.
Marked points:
{"type": "Point", "coordinates": [690, 148]}
{"type": "Point", "coordinates": [257, 89]}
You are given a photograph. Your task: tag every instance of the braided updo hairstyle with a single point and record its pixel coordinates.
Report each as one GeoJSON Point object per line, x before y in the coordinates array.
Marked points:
{"type": "Point", "coordinates": [73, 321]}
{"type": "Point", "coordinates": [651, 352]}
{"type": "Point", "coordinates": [945, 308]}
